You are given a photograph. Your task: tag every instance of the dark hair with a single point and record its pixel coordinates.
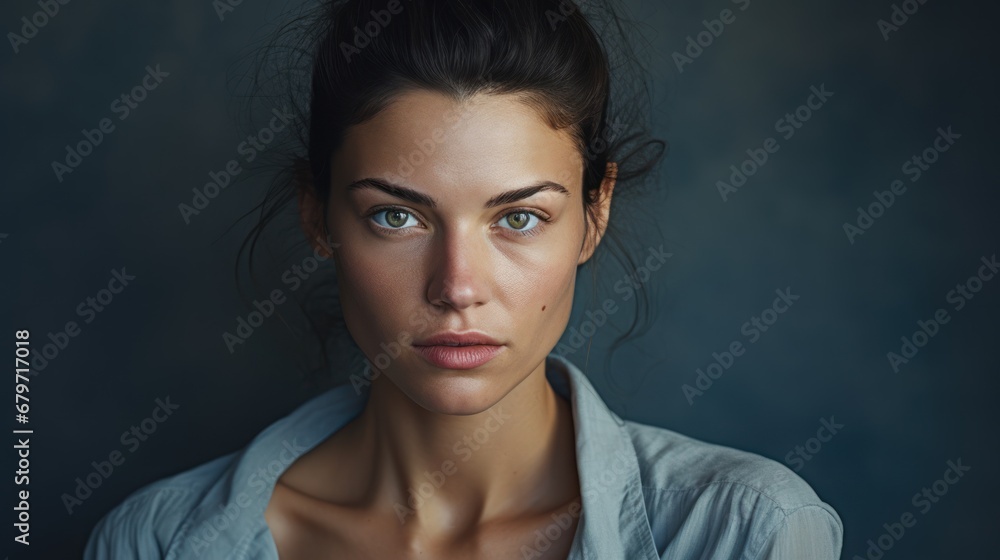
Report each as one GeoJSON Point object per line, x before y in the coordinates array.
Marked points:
{"type": "Point", "coordinates": [353, 57]}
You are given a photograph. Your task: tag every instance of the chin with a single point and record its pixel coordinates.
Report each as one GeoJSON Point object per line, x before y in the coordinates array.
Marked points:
{"type": "Point", "coordinates": [455, 392]}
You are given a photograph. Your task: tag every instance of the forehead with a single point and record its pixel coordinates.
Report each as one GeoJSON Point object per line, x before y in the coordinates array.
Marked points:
{"type": "Point", "coordinates": [427, 138]}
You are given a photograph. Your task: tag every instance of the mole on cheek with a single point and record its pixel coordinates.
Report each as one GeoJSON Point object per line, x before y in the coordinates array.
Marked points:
{"type": "Point", "coordinates": [543, 308]}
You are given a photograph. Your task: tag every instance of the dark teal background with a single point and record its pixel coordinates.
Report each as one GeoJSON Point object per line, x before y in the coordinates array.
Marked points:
{"type": "Point", "coordinates": [826, 356]}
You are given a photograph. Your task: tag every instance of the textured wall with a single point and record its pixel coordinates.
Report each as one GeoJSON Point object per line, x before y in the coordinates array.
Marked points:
{"type": "Point", "coordinates": [825, 359]}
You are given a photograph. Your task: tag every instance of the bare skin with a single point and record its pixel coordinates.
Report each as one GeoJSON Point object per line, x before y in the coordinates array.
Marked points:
{"type": "Point", "coordinates": [448, 463]}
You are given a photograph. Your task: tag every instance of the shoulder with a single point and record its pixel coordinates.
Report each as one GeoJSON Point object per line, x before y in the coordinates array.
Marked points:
{"type": "Point", "coordinates": [692, 487]}
{"type": "Point", "coordinates": [203, 508]}
{"type": "Point", "coordinates": [673, 462]}
{"type": "Point", "coordinates": [144, 524]}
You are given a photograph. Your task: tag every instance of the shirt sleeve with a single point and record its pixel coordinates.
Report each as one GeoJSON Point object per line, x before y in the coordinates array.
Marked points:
{"type": "Point", "coordinates": [812, 531]}
{"type": "Point", "coordinates": [135, 528]}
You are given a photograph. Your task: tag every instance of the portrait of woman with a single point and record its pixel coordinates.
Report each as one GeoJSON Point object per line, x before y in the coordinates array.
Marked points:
{"type": "Point", "coordinates": [500, 279]}
{"type": "Point", "coordinates": [469, 437]}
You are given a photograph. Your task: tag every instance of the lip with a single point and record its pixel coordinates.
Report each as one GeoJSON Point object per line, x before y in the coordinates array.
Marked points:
{"type": "Point", "coordinates": [458, 339]}
{"type": "Point", "coordinates": [451, 350]}
{"type": "Point", "coordinates": [459, 357]}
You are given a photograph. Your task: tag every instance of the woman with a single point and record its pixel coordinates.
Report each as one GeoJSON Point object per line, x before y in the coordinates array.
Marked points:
{"type": "Point", "coordinates": [462, 157]}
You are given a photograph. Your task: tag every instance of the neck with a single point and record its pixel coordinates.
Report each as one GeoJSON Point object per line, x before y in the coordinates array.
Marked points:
{"type": "Point", "coordinates": [443, 471]}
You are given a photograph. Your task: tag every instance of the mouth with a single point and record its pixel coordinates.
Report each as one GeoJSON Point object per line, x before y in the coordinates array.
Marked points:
{"type": "Point", "coordinates": [459, 339]}
{"type": "Point", "coordinates": [469, 356]}
{"type": "Point", "coordinates": [452, 350]}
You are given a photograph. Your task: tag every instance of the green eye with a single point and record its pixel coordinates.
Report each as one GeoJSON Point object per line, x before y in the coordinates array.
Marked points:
{"type": "Point", "coordinates": [522, 222]}
{"type": "Point", "coordinates": [393, 218]}
{"type": "Point", "coordinates": [518, 219]}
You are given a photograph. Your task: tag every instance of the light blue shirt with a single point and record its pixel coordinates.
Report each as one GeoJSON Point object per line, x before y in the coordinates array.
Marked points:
{"type": "Point", "coordinates": [648, 494]}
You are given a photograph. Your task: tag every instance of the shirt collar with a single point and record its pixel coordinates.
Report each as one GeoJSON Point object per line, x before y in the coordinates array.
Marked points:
{"type": "Point", "coordinates": [613, 523]}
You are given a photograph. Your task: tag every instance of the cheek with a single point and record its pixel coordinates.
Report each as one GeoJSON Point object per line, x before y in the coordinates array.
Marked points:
{"type": "Point", "coordinates": [544, 284]}
{"type": "Point", "coordinates": [546, 280]}
{"type": "Point", "coordinates": [368, 281]}
{"type": "Point", "coordinates": [374, 295]}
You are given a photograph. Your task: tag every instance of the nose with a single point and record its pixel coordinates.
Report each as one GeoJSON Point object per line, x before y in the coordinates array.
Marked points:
{"type": "Point", "coordinates": [461, 276]}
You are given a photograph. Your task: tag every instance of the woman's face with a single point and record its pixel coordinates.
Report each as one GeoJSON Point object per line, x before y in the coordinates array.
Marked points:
{"type": "Point", "coordinates": [463, 250]}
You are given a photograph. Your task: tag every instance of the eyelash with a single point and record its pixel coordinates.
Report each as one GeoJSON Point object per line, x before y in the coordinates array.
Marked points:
{"type": "Point", "coordinates": [543, 220]}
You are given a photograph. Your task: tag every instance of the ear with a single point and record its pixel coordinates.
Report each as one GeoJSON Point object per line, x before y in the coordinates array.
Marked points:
{"type": "Point", "coordinates": [596, 231]}
{"type": "Point", "coordinates": [311, 217]}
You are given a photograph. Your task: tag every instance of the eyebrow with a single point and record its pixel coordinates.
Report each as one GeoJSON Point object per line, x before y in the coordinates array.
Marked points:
{"type": "Point", "coordinates": [418, 197]}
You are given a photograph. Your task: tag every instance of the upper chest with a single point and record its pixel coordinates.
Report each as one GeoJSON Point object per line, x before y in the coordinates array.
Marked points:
{"type": "Point", "coordinates": [303, 527]}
